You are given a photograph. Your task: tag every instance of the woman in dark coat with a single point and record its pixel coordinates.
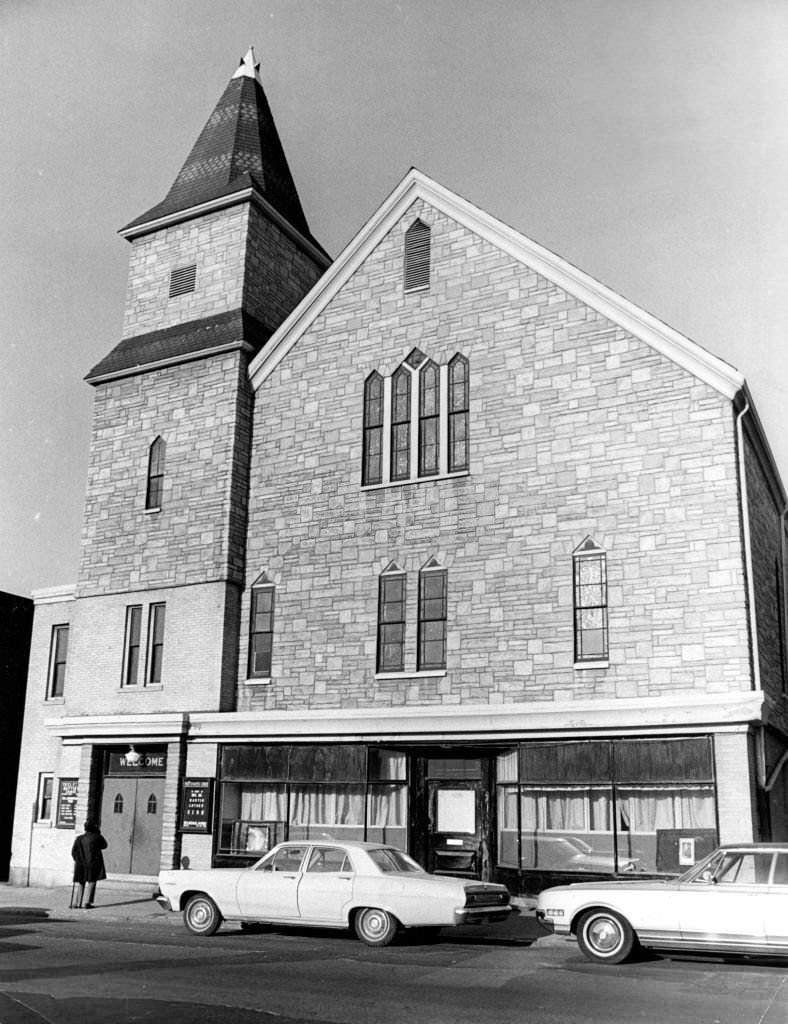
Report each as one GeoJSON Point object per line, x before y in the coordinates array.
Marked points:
{"type": "Point", "coordinates": [88, 861]}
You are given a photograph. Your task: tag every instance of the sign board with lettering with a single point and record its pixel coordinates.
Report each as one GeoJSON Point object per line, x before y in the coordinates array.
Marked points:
{"type": "Point", "coordinates": [197, 806]}
{"type": "Point", "coordinates": [67, 793]}
{"type": "Point", "coordinates": [138, 760]}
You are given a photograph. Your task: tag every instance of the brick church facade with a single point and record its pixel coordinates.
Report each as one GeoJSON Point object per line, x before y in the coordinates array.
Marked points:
{"type": "Point", "coordinates": [442, 543]}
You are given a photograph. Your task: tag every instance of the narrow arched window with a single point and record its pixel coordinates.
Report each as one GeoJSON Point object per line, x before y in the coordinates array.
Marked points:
{"type": "Point", "coordinates": [261, 628]}
{"type": "Point", "coordinates": [459, 405]}
{"type": "Point", "coordinates": [391, 619]}
{"type": "Point", "coordinates": [590, 601]}
{"type": "Point", "coordinates": [372, 464]}
{"type": "Point", "coordinates": [417, 256]}
{"type": "Point", "coordinates": [153, 804]}
{"type": "Point", "coordinates": [117, 804]}
{"type": "Point", "coordinates": [400, 424]}
{"type": "Point", "coordinates": [433, 586]}
{"type": "Point", "coordinates": [155, 474]}
{"type": "Point", "coordinates": [429, 419]}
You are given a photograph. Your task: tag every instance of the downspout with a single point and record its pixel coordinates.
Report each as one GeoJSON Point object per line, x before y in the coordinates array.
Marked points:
{"type": "Point", "coordinates": [745, 516]}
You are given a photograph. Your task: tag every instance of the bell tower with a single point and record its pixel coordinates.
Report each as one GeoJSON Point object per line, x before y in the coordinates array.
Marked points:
{"type": "Point", "coordinates": [215, 267]}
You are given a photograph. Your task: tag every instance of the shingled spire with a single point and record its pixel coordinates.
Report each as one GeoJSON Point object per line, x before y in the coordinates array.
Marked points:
{"type": "Point", "coordinates": [238, 149]}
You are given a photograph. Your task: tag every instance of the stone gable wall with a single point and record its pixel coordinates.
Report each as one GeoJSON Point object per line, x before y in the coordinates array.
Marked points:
{"type": "Point", "coordinates": [577, 429]}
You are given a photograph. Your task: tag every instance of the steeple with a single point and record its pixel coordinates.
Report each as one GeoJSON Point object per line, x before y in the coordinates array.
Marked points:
{"type": "Point", "coordinates": [237, 151]}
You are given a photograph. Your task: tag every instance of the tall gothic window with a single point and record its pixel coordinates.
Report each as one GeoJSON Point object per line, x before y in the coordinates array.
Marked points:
{"type": "Point", "coordinates": [391, 619]}
{"type": "Point", "coordinates": [429, 419]}
{"type": "Point", "coordinates": [590, 601]}
{"type": "Point", "coordinates": [459, 401]}
{"type": "Point", "coordinates": [261, 628]}
{"type": "Point", "coordinates": [372, 469]}
{"type": "Point", "coordinates": [155, 474]}
{"type": "Point", "coordinates": [433, 582]}
{"type": "Point", "coordinates": [400, 424]}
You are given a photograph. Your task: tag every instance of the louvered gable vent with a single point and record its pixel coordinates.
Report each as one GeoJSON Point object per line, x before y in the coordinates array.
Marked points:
{"type": "Point", "coordinates": [182, 280]}
{"type": "Point", "coordinates": [417, 256]}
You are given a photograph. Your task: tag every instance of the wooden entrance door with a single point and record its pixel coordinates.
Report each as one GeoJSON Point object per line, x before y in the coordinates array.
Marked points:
{"type": "Point", "coordinates": [458, 816]}
{"type": "Point", "coordinates": [131, 820]}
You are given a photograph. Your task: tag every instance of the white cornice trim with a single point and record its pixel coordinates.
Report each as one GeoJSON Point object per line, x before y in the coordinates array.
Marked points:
{"type": "Point", "coordinates": [673, 714]}
{"type": "Point", "coordinates": [55, 595]}
{"type": "Point", "coordinates": [118, 728]}
{"type": "Point", "coordinates": [415, 185]}
{"type": "Point", "coordinates": [220, 203]}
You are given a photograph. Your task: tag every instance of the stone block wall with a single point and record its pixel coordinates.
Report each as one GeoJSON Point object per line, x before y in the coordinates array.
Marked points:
{"type": "Point", "coordinates": [201, 409]}
{"type": "Point", "coordinates": [577, 429]}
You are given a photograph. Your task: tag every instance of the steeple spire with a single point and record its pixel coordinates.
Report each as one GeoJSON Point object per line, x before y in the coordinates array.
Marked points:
{"type": "Point", "coordinates": [238, 150]}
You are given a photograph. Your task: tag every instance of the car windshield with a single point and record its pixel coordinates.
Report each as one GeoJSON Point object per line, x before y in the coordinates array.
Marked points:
{"type": "Point", "coordinates": [387, 859]}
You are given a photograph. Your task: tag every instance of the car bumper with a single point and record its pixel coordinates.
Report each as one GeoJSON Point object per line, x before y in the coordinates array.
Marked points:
{"type": "Point", "coordinates": [163, 901]}
{"type": "Point", "coordinates": [481, 915]}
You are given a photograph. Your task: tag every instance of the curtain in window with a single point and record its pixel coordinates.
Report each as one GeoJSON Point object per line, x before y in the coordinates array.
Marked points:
{"type": "Point", "coordinates": [263, 803]}
{"type": "Point", "coordinates": [386, 806]}
{"type": "Point", "coordinates": [326, 805]}
{"type": "Point", "coordinates": [647, 810]}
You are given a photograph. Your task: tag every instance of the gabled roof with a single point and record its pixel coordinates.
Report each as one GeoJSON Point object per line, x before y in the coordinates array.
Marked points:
{"type": "Point", "coordinates": [415, 185]}
{"type": "Point", "coordinates": [238, 149]}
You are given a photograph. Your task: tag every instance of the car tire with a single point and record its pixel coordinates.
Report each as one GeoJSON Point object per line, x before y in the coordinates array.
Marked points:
{"type": "Point", "coordinates": [201, 915]}
{"type": "Point", "coordinates": [375, 927]}
{"type": "Point", "coordinates": [605, 936]}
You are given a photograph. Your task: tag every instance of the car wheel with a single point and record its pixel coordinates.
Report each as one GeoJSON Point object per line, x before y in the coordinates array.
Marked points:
{"type": "Point", "coordinates": [605, 936]}
{"type": "Point", "coordinates": [375, 927]}
{"type": "Point", "coordinates": [201, 915]}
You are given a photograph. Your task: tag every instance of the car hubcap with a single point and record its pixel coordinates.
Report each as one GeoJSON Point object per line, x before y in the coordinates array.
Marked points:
{"type": "Point", "coordinates": [200, 914]}
{"type": "Point", "coordinates": [375, 924]}
{"type": "Point", "coordinates": [604, 935]}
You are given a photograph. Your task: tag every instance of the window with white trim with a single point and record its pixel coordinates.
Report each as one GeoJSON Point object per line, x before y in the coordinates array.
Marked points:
{"type": "Point", "coordinates": [590, 603]}
{"type": "Point", "coordinates": [433, 586]}
{"type": "Point", "coordinates": [155, 486]}
{"type": "Point", "coordinates": [57, 661]}
{"type": "Point", "coordinates": [417, 257]}
{"type": "Point", "coordinates": [391, 619]}
{"type": "Point", "coordinates": [416, 421]}
{"type": "Point", "coordinates": [45, 797]}
{"type": "Point", "coordinates": [261, 628]}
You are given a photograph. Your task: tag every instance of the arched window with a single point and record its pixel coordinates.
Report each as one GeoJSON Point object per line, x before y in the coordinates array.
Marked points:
{"type": "Point", "coordinates": [433, 584]}
{"type": "Point", "coordinates": [372, 466]}
{"type": "Point", "coordinates": [400, 424]}
{"type": "Point", "coordinates": [459, 402]}
{"type": "Point", "coordinates": [590, 602]}
{"type": "Point", "coordinates": [429, 419]}
{"type": "Point", "coordinates": [155, 474]}
{"type": "Point", "coordinates": [391, 619]}
{"type": "Point", "coordinates": [261, 628]}
{"type": "Point", "coordinates": [153, 804]}
{"type": "Point", "coordinates": [417, 256]}
{"type": "Point", "coordinates": [117, 804]}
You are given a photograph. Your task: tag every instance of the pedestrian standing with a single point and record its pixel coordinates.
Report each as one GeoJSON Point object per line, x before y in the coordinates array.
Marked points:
{"type": "Point", "coordinates": [88, 862]}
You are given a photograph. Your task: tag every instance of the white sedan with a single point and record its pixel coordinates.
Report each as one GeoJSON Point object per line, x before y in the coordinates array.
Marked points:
{"type": "Point", "coordinates": [371, 888]}
{"type": "Point", "coordinates": [733, 901]}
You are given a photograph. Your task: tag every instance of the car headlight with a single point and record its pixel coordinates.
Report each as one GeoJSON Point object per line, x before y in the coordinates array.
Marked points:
{"type": "Point", "coordinates": [553, 913]}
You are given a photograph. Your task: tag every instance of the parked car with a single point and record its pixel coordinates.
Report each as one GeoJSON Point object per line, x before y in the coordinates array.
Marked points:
{"type": "Point", "coordinates": [570, 853]}
{"type": "Point", "coordinates": [372, 888]}
{"type": "Point", "coordinates": [733, 901]}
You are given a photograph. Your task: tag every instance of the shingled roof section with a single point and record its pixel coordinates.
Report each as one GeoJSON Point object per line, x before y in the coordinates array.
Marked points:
{"type": "Point", "coordinates": [192, 340]}
{"type": "Point", "coordinates": [239, 147]}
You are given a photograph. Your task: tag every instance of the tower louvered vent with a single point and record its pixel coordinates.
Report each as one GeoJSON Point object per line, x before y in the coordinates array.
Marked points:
{"type": "Point", "coordinates": [182, 280]}
{"type": "Point", "coordinates": [417, 256]}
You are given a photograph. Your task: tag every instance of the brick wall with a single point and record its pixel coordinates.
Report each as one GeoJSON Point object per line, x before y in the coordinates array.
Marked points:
{"type": "Point", "coordinates": [577, 429]}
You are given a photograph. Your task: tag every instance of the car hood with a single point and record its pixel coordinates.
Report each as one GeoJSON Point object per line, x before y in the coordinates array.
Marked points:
{"type": "Point", "coordinates": [646, 885]}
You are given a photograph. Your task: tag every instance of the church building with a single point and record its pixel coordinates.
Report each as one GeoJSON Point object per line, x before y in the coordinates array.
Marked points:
{"type": "Point", "coordinates": [441, 543]}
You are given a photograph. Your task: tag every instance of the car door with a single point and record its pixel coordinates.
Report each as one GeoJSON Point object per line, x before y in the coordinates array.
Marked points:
{"type": "Point", "coordinates": [325, 888]}
{"type": "Point", "coordinates": [270, 892]}
{"type": "Point", "coordinates": [777, 905]}
{"type": "Point", "coordinates": [725, 907]}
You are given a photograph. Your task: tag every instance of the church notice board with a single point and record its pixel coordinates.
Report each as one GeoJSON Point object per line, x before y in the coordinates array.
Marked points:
{"type": "Point", "coordinates": [197, 806]}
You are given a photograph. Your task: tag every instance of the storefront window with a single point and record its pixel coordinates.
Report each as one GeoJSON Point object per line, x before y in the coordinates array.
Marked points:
{"type": "Point", "coordinates": [311, 792]}
{"type": "Point", "coordinates": [605, 806]}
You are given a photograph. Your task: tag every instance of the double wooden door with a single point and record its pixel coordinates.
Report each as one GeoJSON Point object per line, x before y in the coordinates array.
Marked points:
{"type": "Point", "coordinates": [131, 819]}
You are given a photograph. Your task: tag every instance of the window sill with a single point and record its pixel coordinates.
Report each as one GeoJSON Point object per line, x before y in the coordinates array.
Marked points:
{"type": "Point", "coordinates": [151, 511]}
{"type": "Point", "coordinates": [581, 665]}
{"type": "Point", "coordinates": [255, 681]}
{"type": "Point", "coordinates": [437, 673]}
{"type": "Point", "coordinates": [416, 480]}
{"type": "Point", "coordinates": [55, 700]}
{"type": "Point", "coordinates": [141, 689]}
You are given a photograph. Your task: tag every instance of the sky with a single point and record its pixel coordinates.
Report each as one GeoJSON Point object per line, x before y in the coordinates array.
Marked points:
{"type": "Point", "coordinates": [644, 141]}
